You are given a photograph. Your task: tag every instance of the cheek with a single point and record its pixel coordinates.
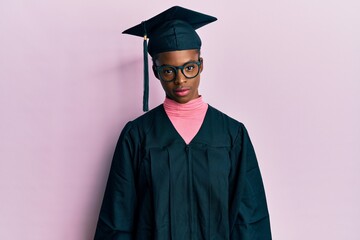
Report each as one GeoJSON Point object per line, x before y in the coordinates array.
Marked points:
{"type": "Point", "coordinates": [197, 82]}
{"type": "Point", "coordinates": [166, 86]}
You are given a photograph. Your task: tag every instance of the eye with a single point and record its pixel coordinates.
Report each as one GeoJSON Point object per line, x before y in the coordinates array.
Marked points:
{"type": "Point", "coordinates": [168, 71]}
{"type": "Point", "coordinates": [189, 67]}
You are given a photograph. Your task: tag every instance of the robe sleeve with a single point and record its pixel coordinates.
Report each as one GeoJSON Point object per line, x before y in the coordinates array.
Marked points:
{"type": "Point", "coordinates": [117, 212]}
{"type": "Point", "coordinates": [249, 217]}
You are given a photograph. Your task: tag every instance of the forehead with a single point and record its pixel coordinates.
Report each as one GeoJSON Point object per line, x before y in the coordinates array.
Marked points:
{"type": "Point", "coordinates": [177, 58]}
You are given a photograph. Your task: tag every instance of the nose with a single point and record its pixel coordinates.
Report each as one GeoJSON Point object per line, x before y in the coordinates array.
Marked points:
{"type": "Point", "coordinates": [179, 78]}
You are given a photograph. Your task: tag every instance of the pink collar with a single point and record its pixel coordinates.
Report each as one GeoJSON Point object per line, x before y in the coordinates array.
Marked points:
{"type": "Point", "coordinates": [187, 118]}
{"type": "Point", "coordinates": [188, 109]}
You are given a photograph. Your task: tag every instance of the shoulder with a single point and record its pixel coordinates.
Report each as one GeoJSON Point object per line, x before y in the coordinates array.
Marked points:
{"type": "Point", "coordinates": [145, 122]}
{"type": "Point", "coordinates": [223, 118]}
{"type": "Point", "coordinates": [225, 123]}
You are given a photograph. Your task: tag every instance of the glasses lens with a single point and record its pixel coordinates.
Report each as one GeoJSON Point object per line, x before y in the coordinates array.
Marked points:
{"type": "Point", "coordinates": [167, 73]}
{"type": "Point", "coordinates": [191, 70]}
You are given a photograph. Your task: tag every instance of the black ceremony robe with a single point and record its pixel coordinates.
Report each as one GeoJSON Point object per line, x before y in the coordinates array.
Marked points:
{"type": "Point", "coordinates": [161, 188]}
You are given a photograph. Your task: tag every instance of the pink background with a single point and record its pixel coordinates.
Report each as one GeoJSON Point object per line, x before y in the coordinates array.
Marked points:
{"type": "Point", "coordinates": [69, 81]}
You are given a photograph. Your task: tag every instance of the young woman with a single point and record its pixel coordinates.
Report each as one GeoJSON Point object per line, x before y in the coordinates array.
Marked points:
{"type": "Point", "coordinates": [183, 170]}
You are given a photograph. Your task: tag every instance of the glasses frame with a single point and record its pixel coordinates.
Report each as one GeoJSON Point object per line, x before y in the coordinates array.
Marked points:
{"type": "Point", "coordinates": [176, 68]}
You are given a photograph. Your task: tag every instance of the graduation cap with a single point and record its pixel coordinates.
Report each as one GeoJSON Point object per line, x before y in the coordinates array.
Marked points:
{"type": "Point", "coordinates": [171, 30]}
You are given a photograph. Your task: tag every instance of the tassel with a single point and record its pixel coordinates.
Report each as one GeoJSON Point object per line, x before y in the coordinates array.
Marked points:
{"type": "Point", "coordinates": [146, 74]}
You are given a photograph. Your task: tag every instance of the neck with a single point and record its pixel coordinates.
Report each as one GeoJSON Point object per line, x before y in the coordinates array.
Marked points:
{"type": "Point", "coordinates": [184, 109]}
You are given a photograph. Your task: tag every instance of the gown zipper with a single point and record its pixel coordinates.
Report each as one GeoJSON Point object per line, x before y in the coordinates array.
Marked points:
{"type": "Point", "coordinates": [191, 191]}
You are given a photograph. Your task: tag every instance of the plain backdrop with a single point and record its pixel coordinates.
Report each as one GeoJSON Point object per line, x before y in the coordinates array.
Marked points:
{"type": "Point", "coordinates": [69, 81]}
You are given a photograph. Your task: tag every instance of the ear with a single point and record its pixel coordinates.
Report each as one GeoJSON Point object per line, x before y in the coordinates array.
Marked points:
{"type": "Point", "coordinates": [202, 64]}
{"type": "Point", "coordinates": [155, 72]}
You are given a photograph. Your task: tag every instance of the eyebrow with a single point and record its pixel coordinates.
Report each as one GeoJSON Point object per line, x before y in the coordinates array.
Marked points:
{"type": "Point", "coordinates": [179, 65]}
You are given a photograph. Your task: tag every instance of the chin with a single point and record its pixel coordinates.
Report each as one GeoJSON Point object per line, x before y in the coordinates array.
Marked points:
{"type": "Point", "coordinates": [184, 100]}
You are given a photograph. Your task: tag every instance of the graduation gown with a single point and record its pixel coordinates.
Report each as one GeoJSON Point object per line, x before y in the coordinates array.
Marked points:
{"type": "Point", "coordinates": [161, 188]}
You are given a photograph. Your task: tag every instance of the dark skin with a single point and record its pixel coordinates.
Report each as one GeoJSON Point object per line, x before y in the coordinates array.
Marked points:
{"type": "Point", "coordinates": [181, 90]}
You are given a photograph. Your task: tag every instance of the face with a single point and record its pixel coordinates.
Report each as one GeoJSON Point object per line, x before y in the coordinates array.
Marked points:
{"type": "Point", "coordinates": [182, 89]}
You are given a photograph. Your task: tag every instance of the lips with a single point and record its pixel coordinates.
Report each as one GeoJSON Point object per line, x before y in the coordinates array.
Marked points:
{"type": "Point", "coordinates": [181, 92]}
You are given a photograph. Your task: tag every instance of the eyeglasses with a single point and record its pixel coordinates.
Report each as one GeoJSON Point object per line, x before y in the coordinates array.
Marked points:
{"type": "Point", "coordinates": [167, 73]}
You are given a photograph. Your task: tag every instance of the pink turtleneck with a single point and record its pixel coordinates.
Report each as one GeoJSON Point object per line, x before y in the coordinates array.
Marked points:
{"type": "Point", "coordinates": [187, 118]}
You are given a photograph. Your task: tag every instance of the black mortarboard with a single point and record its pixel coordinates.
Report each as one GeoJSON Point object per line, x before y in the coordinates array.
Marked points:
{"type": "Point", "coordinates": [171, 30]}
